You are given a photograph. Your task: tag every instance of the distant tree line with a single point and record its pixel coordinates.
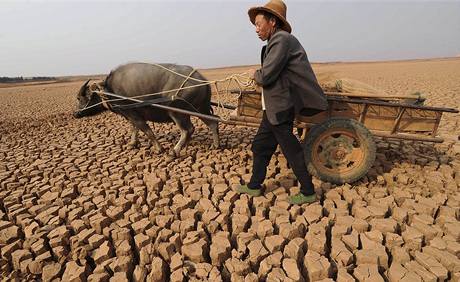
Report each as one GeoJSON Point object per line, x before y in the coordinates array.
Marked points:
{"type": "Point", "coordinates": [5, 79]}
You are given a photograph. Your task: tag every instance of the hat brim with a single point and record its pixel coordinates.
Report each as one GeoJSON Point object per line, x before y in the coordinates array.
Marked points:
{"type": "Point", "coordinates": [252, 12]}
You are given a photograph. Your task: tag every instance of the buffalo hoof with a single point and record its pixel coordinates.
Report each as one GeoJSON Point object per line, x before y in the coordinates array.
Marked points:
{"type": "Point", "coordinates": [158, 150]}
{"type": "Point", "coordinates": [133, 145]}
{"type": "Point", "coordinates": [171, 156]}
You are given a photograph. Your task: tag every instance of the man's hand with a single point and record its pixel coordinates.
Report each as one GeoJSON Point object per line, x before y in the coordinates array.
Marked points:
{"type": "Point", "coordinates": [251, 73]}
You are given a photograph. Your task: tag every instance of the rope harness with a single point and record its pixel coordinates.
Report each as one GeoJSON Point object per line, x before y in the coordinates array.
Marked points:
{"type": "Point", "coordinates": [182, 85]}
{"type": "Point", "coordinates": [242, 81]}
{"type": "Point", "coordinates": [104, 99]}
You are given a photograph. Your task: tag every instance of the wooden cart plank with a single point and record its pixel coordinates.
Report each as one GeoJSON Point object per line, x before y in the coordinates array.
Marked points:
{"type": "Point", "coordinates": [375, 116]}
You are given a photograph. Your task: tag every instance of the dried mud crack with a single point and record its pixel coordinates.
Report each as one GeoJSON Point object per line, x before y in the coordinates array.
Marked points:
{"type": "Point", "coordinates": [77, 205]}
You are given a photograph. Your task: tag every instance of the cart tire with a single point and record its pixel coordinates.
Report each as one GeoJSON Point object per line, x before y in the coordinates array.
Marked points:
{"type": "Point", "coordinates": [339, 150]}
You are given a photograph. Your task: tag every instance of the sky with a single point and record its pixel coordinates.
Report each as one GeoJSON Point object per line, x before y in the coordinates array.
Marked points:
{"type": "Point", "coordinates": [57, 38]}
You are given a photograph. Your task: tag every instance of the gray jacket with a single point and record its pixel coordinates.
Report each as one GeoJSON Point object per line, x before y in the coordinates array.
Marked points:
{"type": "Point", "coordinates": [289, 84]}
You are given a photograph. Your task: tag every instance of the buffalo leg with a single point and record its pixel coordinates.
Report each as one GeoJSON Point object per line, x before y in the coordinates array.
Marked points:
{"type": "Point", "coordinates": [142, 125]}
{"type": "Point", "coordinates": [186, 130]}
{"type": "Point", "coordinates": [134, 137]}
{"type": "Point", "coordinates": [214, 126]}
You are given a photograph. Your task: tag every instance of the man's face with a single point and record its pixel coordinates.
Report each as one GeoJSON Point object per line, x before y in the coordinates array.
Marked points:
{"type": "Point", "coordinates": [264, 28]}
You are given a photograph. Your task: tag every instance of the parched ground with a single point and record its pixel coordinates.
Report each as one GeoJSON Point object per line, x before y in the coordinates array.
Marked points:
{"type": "Point", "coordinates": [76, 203]}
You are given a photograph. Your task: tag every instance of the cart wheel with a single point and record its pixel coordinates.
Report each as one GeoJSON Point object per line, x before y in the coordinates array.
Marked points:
{"type": "Point", "coordinates": [339, 150]}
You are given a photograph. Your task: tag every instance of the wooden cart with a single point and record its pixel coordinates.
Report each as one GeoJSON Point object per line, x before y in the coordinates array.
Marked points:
{"type": "Point", "coordinates": [339, 147]}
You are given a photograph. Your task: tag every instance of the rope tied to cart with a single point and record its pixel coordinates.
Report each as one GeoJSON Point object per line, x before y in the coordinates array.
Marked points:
{"type": "Point", "coordinates": [242, 81]}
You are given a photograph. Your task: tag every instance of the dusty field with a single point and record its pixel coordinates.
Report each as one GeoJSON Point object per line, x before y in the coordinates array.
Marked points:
{"type": "Point", "coordinates": [75, 203]}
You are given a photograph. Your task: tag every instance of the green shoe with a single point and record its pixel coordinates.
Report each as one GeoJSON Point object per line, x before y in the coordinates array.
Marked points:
{"type": "Point", "coordinates": [244, 189]}
{"type": "Point", "coordinates": [302, 199]}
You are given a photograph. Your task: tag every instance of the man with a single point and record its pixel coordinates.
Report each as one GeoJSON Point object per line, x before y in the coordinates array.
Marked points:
{"type": "Point", "coordinates": [289, 88]}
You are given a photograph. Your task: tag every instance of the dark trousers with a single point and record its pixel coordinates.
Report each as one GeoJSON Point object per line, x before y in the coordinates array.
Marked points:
{"type": "Point", "coordinates": [264, 145]}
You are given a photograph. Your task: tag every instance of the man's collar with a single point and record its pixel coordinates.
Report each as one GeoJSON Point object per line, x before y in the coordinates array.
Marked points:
{"type": "Point", "coordinates": [271, 36]}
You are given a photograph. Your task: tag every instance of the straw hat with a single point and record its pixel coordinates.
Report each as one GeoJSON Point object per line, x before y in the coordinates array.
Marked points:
{"type": "Point", "coordinates": [274, 7]}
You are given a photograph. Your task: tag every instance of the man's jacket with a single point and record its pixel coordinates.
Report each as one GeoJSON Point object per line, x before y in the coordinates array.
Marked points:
{"type": "Point", "coordinates": [289, 84]}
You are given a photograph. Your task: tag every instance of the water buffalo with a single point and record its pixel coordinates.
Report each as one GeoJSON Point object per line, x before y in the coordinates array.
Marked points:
{"type": "Point", "coordinates": [136, 79]}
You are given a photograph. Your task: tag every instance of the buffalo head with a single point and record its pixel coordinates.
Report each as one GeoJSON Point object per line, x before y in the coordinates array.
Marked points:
{"type": "Point", "coordinates": [87, 98]}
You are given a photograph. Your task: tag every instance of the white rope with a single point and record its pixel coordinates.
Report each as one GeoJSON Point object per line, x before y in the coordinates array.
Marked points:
{"type": "Point", "coordinates": [242, 80]}
{"type": "Point", "coordinates": [183, 83]}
